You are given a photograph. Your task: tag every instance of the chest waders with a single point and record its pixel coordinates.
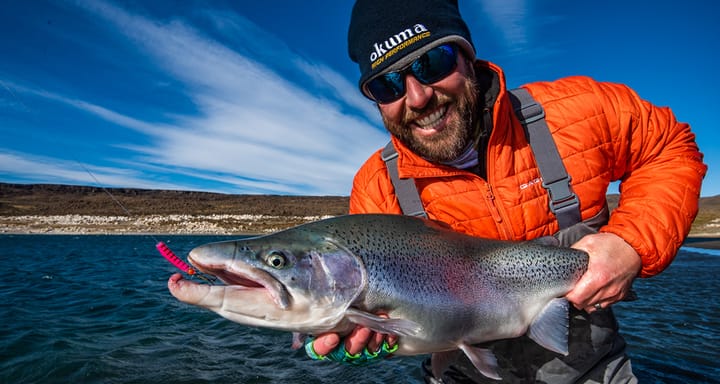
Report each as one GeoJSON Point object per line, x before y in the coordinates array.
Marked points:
{"type": "Point", "coordinates": [597, 351]}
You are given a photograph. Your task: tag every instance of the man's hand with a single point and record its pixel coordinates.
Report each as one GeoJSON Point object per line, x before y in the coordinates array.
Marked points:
{"type": "Point", "coordinates": [613, 266]}
{"type": "Point", "coordinates": [359, 339]}
{"type": "Point", "coordinates": [355, 342]}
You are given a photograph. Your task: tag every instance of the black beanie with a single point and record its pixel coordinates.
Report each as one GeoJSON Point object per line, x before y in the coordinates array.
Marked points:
{"type": "Point", "coordinates": [387, 32]}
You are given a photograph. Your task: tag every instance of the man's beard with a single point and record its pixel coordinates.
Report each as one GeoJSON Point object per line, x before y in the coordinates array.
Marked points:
{"type": "Point", "coordinates": [448, 144]}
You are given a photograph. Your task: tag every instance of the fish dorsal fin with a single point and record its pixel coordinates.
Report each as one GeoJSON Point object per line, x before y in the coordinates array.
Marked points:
{"type": "Point", "coordinates": [402, 327]}
{"type": "Point", "coordinates": [550, 327]}
{"type": "Point", "coordinates": [483, 360]}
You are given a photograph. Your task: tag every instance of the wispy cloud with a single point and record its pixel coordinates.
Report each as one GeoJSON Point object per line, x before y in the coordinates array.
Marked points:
{"type": "Point", "coordinates": [97, 110]}
{"type": "Point", "coordinates": [253, 128]}
{"type": "Point", "coordinates": [509, 17]}
{"type": "Point", "coordinates": [37, 168]}
{"type": "Point", "coordinates": [516, 27]}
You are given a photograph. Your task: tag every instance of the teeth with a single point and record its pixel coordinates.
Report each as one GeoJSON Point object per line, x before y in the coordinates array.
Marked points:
{"type": "Point", "coordinates": [432, 119]}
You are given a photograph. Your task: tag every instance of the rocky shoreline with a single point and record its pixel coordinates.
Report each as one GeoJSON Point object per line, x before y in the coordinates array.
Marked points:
{"type": "Point", "coordinates": [212, 224]}
{"type": "Point", "coordinates": [68, 209]}
{"type": "Point", "coordinates": [65, 209]}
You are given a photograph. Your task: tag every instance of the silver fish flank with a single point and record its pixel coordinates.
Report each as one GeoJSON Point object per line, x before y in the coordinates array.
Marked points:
{"type": "Point", "coordinates": [443, 291]}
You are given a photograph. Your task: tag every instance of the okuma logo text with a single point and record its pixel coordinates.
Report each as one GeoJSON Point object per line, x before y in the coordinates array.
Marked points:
{"type": "Point", "coordinates": [384, 50]}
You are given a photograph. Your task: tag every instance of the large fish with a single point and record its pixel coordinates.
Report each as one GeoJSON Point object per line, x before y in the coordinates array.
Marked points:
{"type": "Point", "coordinates": [441, 290]}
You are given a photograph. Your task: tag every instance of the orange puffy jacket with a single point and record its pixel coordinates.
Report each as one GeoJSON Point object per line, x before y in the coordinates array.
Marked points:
{"type": "Point", "coordinates": [604, 133]}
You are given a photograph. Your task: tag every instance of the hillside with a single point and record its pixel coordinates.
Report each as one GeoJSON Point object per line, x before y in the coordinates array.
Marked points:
{"type": "Point", "coordinates": [52, 199]}
{"type": "Point", "coordinates": [48, 208]}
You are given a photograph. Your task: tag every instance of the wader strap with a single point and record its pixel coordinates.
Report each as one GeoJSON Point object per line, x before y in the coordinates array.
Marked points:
{"type": "Point", "coordinates": [563, 201]}
{"type": "Point", "coordinates": [405, 189]}
{"type": "Point", "coordinates": [564, 204]}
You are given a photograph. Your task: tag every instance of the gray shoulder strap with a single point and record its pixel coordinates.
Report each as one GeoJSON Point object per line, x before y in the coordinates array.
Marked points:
{"type": "Point", "coordinates": [405, 189]}
{"type": "Point", "coordinates": [563, 201]}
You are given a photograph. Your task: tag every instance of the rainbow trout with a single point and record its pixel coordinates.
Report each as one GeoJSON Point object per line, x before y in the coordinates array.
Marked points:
{"type": "Point", "coordinates": [443, 291]}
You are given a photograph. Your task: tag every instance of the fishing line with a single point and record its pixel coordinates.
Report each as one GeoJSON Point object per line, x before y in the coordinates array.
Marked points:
{"type": "Point", "coordinates": [97, 182]}
{"type": "Point", "coordinates": [164, 250]}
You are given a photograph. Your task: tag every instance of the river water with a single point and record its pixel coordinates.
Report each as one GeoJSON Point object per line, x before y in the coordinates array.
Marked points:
{"type": "Point", "coordinates": [96, 309]}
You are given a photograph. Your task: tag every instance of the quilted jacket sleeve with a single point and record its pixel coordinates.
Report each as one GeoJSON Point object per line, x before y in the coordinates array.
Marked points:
{"type": "Point", "coordinates": [661, 171]}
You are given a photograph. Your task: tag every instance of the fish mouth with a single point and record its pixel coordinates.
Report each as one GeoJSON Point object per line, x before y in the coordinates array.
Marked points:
{"type": "Point", "coordinates": [246, 278]}
{"type": "Point", "coordinates": [228, 277]}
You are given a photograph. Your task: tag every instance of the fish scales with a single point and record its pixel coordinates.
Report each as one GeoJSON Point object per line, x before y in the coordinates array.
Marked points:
{"type": "Point", "coordinates": [410, 263]}
{"type": "Point", "coordinates": [402, 266]}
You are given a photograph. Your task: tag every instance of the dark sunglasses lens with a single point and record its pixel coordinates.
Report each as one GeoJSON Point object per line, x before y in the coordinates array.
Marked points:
{"type": "Point", "coordinates": [388, 87]}
{"type": "Point", "coordinates": [432, 66]}
{"type": "Point", "coordinates": [435, 64]}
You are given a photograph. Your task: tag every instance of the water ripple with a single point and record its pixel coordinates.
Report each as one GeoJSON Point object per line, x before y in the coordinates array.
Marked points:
{"type": "Point", "coordinates": [95, 309]}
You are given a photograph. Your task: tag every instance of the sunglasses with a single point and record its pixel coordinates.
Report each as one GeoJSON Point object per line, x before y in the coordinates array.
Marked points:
{"type": "Point", "coordinates": [433, 66]}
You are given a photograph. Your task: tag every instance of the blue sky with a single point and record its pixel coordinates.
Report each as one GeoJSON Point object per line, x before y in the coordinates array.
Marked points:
{"type": "Point", "coordinates": [260, 97]}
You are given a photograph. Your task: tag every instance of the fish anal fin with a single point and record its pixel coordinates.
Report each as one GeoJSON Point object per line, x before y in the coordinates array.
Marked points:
{"type": "Point", "coordinates": [483, 360]}
{"type": "Point", "coordinates": [440, 361]}
{"type": "Point", "coordinates": [550, 327]}
{"type": "Point", "coordinates": [402, 327]}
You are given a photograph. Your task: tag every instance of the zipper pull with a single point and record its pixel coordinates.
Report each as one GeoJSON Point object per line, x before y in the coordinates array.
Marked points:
{"type": "Point", "coordinates": [490, 197]}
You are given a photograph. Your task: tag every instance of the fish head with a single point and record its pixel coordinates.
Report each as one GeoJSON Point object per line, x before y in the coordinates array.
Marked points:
{"type": "Point", "coordinates": [297, 282]}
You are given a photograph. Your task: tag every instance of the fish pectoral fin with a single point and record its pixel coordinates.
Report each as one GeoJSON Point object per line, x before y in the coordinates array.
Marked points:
{"type": "Point", "coordinates": [550, 327]}
{"type": "Point", "coordinates": [402, 327]}
{"type": "Point", "coordinates": [483, 360]}
{"type": "Point", "coordinates": [298, 340]}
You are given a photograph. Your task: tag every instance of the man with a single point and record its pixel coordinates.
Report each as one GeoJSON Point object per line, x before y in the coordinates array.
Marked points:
{"type": "Point", "coordinates": [457, 136]}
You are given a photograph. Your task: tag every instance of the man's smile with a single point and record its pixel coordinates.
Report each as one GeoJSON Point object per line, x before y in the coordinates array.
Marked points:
{"type": "Point", "coordinates": [432, 123]}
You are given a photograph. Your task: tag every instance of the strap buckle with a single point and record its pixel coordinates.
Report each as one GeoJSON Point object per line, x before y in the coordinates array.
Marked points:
{"type": "Point", "coordinates": [561, 195]}
{"type": "Point", "coordinates": [531, 112]}
{"type": "Point", "coordinates": [564, 203]}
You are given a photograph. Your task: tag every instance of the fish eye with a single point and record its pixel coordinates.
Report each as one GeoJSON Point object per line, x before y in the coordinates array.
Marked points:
{"type": "Point", "coordinates": [276, 259]}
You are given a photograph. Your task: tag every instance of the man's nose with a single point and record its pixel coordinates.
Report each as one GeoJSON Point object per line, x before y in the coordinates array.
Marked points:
{"type": "Point", "coordinates": [418, 94]}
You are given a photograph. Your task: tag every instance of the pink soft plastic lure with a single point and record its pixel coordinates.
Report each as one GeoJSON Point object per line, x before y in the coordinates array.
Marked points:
{"type": "Point", "coordinates": [177, 262]}
{"type": "Point", "coordinates": [173, 259]}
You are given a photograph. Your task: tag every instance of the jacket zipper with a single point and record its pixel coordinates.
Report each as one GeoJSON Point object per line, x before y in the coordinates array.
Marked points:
{"type": "Point", "coordinates": [495, 213]}
{"type": "Point", "coordinates": [490, 197]}
{"type": "Point", "coordinates": [484, 139]}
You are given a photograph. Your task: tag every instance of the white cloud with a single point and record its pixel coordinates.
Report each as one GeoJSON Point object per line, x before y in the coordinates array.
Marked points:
{"type": "Point", "coordinates": [43, 169]}
{"type": "Point", "coordinates": [254, 127]}
{"type": "Point", "coordinates": [341, 88]}
{"type": "Point", "coordinates": [99, 111]}
{"type": "Point", "coordinates": [510, 17]}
